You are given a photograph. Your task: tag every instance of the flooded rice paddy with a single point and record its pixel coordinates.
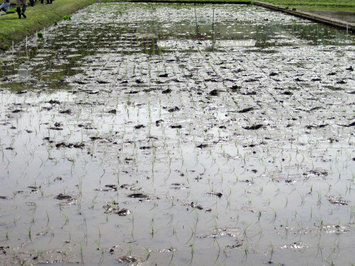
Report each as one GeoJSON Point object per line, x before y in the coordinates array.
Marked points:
{"type": "Point", "coordinates": [145, 134]}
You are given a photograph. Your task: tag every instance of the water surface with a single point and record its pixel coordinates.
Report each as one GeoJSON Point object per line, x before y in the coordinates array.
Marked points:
{"type": "Point", "coordinates": [178, 134]}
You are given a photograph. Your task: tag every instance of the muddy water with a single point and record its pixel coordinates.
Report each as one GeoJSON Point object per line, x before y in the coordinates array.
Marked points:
{"type": "Point", "coordinates": [168, 134]}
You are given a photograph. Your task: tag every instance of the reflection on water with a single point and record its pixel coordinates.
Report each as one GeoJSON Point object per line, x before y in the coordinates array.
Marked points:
{"type": "Point", "coordinates": [154, 29]}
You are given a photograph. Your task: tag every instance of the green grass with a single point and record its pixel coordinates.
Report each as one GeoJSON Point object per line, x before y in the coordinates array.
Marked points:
{"type": "Point", "coordinates": [181, 1]}
{"type": "Point", "coordinates": [313, 2]}
{"type": "Point", "coordinates": [326, 5]}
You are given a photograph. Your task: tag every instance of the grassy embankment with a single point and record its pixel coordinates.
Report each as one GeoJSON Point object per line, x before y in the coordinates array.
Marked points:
{"type": "Point", "coordinates": [320, 5]}
{"type": "Point", "coordinates": [316, 5]}
{"type": "Point", "coordinates": [40, 16]}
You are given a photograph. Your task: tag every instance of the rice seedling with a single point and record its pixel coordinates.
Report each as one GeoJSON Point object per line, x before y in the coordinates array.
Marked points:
{"type": "Point", "coordinates": [319, 201]}
{"type": "Point", "coordinates": [30, 233]}
{"type": "Point", "coordinates": [81, 253]}
{"type": "Point", "coordinates": [148, 253]}
{"type": "Point", "coordinates": [275, 215]}
{"type": "Point", "coordinates": [245, 230]}
{"type": "Point", "coordinates": [246, 250]}
{"type": "Point", "coordinates": [192, 250]}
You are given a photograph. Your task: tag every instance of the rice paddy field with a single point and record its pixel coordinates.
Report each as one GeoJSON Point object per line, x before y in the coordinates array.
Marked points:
{"type": "Point", "coordinates": [154, 134]}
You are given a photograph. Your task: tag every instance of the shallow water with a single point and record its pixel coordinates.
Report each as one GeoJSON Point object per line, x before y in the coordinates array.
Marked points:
{"type": "Point", "coordinates": [222, 135]}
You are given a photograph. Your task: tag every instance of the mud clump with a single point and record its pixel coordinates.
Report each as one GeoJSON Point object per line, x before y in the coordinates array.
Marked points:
{"type": "Point", "coordinates": [64, 197]}
{"type": "Point", "coordinates": [254, 127]}
{"type": "Point", "coordinates": [68, 112]}
{"type": "Point", "coordinates": [246, 110]}
{"type": "Point", "coordinates": [214, 93]}
{"type": "Point", "coordinates": [138, 196]}
{"type": "Point", "coordinates": [4, 249]}
{"type": "Point", "coordinates": [202, 145]}
{"type": "Point", "coordinates": [337, 201]}
{"type": "Point", "coordinates": [235, 88]}
{"type": "Point", "coordinates": [174, 109]}
{"type": "Point", "coordinates": [176, 126]}
{"type": "Point", "coordinates": [70, 145]}
{"type": "Point", "coordinates": [349, 125]}
{"type": "Point", "coordinates": [113, 208]}
{"type": "Point", "coordinates": [316, 126]}
{"type": "Point", "coordinates": [139, 126]}
{"type": "Point", "coordinates": [113, 111]}
{"type": "Point", "coordinates": [166, 91]}
{"type": "Point", "coordinates": [129, 259]}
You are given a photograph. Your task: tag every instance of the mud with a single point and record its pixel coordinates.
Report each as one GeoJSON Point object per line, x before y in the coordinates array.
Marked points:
{"type": "Point", "coordinates": [178, 134]}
